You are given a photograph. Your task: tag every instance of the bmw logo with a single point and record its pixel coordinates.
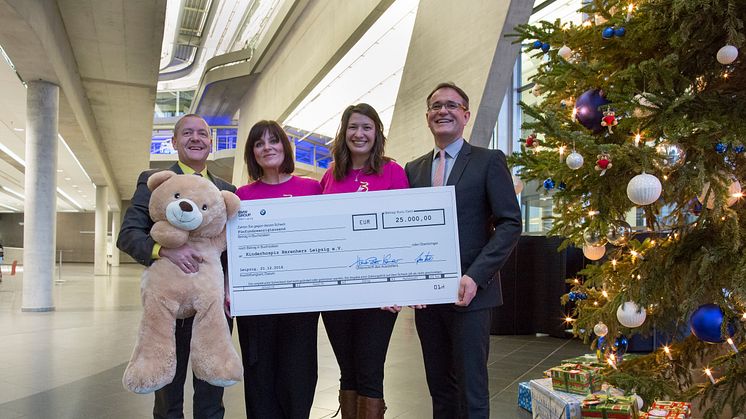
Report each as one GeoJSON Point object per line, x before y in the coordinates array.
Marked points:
{"type": "Point", "coordinates": [263, 212]}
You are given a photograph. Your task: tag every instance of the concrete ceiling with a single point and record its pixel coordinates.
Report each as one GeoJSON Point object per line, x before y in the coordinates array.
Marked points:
{"type": "Point", "coordinates": [104, 55]}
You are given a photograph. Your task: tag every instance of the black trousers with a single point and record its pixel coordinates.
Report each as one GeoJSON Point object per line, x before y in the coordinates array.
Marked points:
{"type": "Point", "coordinates": [280, 363]}
{"type": "Point", "coordinates": [208, 399]}
{"type": "Point", "coordinates": [455, 348]}
{"type": "Point", "coordinates": [360, 340]}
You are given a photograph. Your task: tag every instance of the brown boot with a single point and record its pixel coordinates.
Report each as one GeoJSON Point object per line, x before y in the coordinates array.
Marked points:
{"type": "Point", "coordinates": [348, 404]}
{"type": "Point", "coordinates": [369, 408]}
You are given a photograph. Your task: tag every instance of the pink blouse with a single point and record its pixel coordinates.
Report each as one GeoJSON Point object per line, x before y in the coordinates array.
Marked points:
{"type": "Point", "coordinates": [392, 177]}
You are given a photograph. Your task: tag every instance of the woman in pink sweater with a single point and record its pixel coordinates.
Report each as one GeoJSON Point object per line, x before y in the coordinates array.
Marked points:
{"type": "Point", "coordinates": [278, 350]}
{"type": "Point", "coordinates": [360, 338]}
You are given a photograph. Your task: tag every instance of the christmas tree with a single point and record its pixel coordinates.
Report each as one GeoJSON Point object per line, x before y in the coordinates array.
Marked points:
{"type": "Point", "coordinates": [643, 108]}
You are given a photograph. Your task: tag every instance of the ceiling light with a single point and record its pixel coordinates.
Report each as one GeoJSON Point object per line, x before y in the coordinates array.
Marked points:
{"type": "Point", "coordinates": [59, 170]}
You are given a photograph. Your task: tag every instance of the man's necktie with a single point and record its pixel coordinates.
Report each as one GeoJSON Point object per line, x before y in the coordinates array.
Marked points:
{"type": "Point", "coordinates": [440, 171]}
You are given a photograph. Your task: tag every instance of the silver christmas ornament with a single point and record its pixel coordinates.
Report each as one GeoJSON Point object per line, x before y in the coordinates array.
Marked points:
{"type": "Point", "coordinates": [672, 156]}
{"type": "Point", "coordinates": [593, 238]}
{"type": "Point", "coordinates": [618, 233]}
{"type": "Point", "coordinates": [574, 160]}
{"type": "Point", "coordinates": [565, 52]}
{"type": "Point", "coordinates": [601, 329]}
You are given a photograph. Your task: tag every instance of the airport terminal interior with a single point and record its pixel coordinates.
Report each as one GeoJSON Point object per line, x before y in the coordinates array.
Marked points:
{"type": "Point", "coordinates": [111, 77]}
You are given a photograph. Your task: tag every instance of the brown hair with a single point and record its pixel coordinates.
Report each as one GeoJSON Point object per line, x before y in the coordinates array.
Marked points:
{"type": "Point", "coordinates": [255, 134]}
{"type": "Point", "coordinates": [340, 152]}
{"type": "Point", "coordinates": [448, 85]}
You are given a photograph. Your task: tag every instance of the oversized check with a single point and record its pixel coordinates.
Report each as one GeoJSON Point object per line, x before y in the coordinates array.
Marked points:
{"type": "Point", "coordinates": [344, 251]}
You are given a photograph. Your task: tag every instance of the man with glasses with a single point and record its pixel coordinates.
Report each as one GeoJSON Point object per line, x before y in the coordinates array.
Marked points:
{"type": "Point", "coordinates": [193, 143]}
{"type": "Point", "coordinates": [455, 338]}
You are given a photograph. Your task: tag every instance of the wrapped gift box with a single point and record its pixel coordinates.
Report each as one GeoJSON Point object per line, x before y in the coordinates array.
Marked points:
{"type": "Point", "coordinates": [524, 395]}
{"type": "Point", "coordinates": [547, 403]}
{"type": "Point", "coordinates": [610, 407]}
{"type": "Point", "coordinates": [576, 378]}
{"type": "Point", "coordinates": [669, 410]}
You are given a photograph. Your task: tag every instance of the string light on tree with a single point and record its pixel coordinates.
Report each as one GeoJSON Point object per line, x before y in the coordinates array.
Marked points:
{"type": "Point", "coordinates": [708, 373]}
{"type": "Point", "coordinates": [667, 351]}
{"type": "Point", "coordinates": [732, 345]}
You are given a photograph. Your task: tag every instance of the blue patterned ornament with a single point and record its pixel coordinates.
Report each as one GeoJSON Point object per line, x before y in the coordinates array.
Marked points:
{"type": "Point", "coordinates": [721, 148]}
{"type": "Point", "coordinates": [562, 186]}
{"type": "Point", "coordinates": [549, 184]}
{"type": "Point", "coordinates": [621, 344]}
{"type": "Point", "coordinates": [706, 323]}
{"type": "Point", "coordinates": [739, 148]}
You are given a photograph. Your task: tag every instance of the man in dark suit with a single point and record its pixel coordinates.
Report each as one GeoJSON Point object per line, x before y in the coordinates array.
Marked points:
{"type": "Point", "coordinates": [193, 143]}
{"type": "Point", "coordinates": [455, 338]}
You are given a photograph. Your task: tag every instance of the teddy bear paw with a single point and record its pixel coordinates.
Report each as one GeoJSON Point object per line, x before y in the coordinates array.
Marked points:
{"type": "Point", "coordinates": [222, 383]}
{"type": "Point", "coordinates": [146, 380]}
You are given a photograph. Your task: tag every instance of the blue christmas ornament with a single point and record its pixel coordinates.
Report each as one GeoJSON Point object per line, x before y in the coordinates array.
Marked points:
{"type": "Point", "coordinates": [572, 296]}
{"type": "Point", "coordinates": [537, 44]}
{"type": "Point", "coordinates": [620, 32]}
{"type": "Point", "coordinates": [581, 296]}
{"type": "Point", "coordinates": [721, 148]}
{"type": "Point", "coordinates": [601, 343]}
{"type": "Point", "coordinates": [621, 344]}
{"type": "Point", "coordinates": [607, 33]}
{"type": "Point", "coordinates": [562, 186]}
{"type": "Point", "coordinates": [706, 322]}
{"type": "Point", "coordinates": [589, 113]}
{"type": "Point", "coordinates": [739, 148]}
{"type": "Point", "coordinates": [545, 47]}
{"type": "Point", "coordinates": [549, 184]}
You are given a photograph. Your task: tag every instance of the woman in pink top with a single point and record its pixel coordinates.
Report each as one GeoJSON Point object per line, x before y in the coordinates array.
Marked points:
{"type": "Point", "coordinates": [360, 338]}
{"type": "Point", "coordinates": [278, 350]}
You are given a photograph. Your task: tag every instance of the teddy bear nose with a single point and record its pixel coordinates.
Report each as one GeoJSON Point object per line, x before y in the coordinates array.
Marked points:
{"type": "Point", "coordinates": [185, 206]}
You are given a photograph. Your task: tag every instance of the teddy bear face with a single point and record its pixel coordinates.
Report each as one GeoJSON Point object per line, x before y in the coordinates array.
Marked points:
{"type": "Point", "coordinates": [187, 202]}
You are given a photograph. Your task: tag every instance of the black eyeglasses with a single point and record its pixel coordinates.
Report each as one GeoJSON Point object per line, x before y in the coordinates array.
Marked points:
{"type": "Point", "coordinates": [450, 106]}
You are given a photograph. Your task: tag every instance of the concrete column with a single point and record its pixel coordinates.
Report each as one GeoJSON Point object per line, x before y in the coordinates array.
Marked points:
{"type": "Point", "coordinates": [116, 221]}
{"type": "Point", "coordinates": [39, 228]}
{"type": "Point", "coordinates": [461, 42]}
{"type": "Point", "coordinates": [99, 241]}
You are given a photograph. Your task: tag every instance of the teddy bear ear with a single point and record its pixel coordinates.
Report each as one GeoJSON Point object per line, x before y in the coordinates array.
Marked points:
{"type": "Point", "coordinates": [232, 203]}
{"type": "Point", "coordinates": [157, 178]}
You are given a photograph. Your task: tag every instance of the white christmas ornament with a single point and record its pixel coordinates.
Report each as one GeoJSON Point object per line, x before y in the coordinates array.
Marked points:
{"type": "Point", "coordinates": [727, 54]}
{"type": "Point", "coordinates": [645, 105]}
{"type": "Point", "coordinates": [601, 329]}
{"type": "Point", "coordinates": [574, 161]}
{"type": "Point", "coordinates": [565, 52]}
{"type": "Point", "coordinates": [594, 252]}
{"type": "Point", "coordinates": [640, 402]}
{"type": "Point", "coordinates": [644, 189]}
{"type": "Point", "coordinates": [517, 184]}
{"type": "Point", "coordinates": [536, 90]}
{"type": "Point", "coordinates": [734, 193]}
{"type": "Point", "coordinates": [631, 315]}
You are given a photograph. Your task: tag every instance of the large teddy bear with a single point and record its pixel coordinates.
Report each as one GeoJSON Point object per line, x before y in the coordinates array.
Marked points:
{"type": "Point", "coordinates": [185, 209]}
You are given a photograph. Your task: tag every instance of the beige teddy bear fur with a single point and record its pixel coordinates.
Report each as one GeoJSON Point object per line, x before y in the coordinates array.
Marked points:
{"type": "Point", "coordinates": [186, 209]}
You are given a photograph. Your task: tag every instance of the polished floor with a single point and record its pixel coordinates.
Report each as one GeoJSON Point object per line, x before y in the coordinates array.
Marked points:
{"type": "Point", "coordinates": [68, 363]}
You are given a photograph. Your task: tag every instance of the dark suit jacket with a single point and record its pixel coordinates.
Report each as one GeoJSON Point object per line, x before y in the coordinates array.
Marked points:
{"type": "Point", "coordinates": [489, 218]}
{"type": "Point", "coordinates": [134, 237]}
